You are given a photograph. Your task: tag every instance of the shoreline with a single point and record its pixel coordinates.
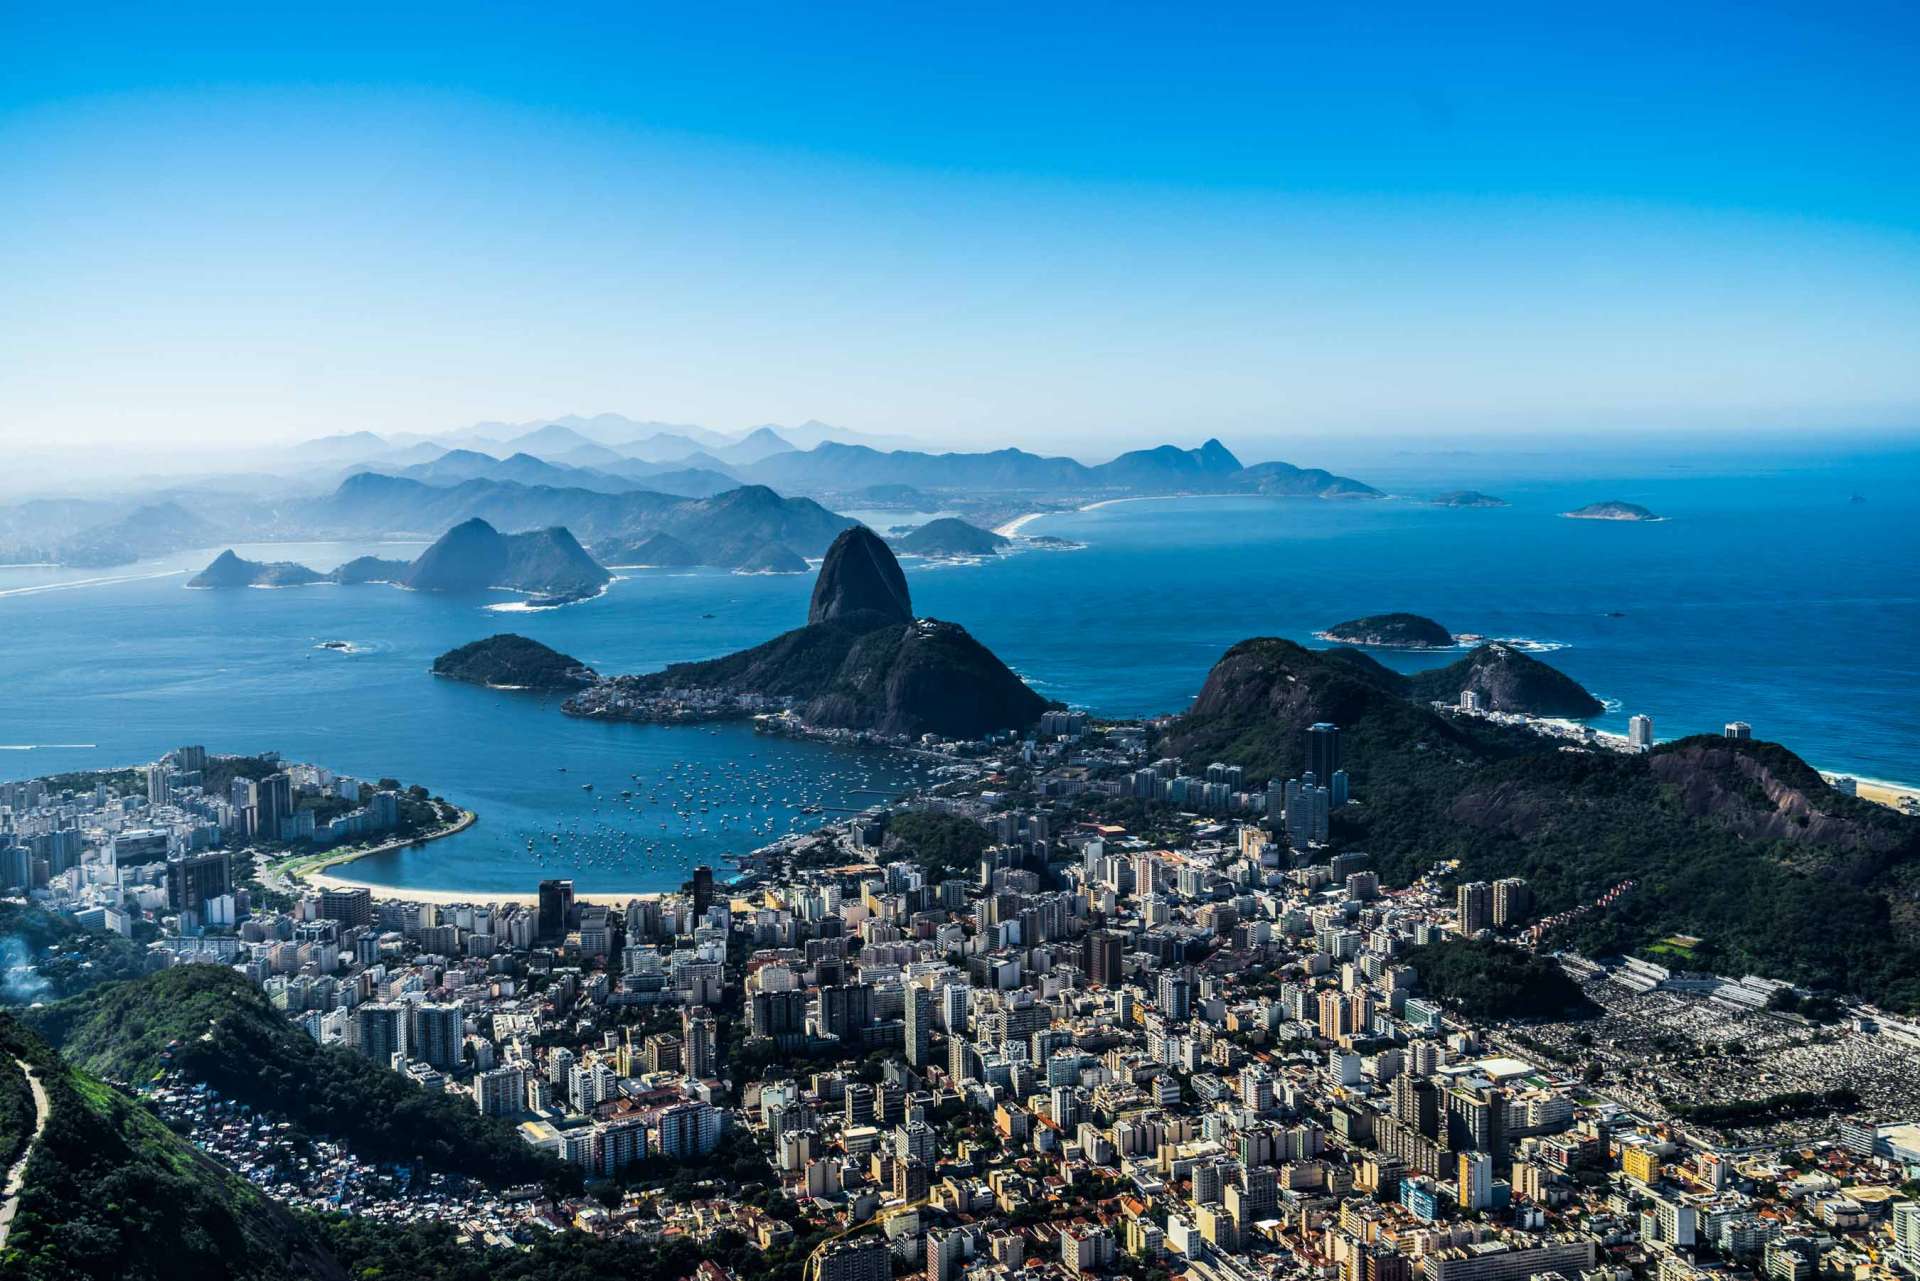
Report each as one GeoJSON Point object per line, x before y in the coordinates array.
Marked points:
{"type": "Point", "coordinates": [318, 872]}
{"type": "Point", "coordinates": [1012, 528]}
{"type": "Point", "coordinates": [321, 876]}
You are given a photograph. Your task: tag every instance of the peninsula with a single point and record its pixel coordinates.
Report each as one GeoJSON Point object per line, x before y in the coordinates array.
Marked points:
{"type": "Point", "coordinates": [862, 662]}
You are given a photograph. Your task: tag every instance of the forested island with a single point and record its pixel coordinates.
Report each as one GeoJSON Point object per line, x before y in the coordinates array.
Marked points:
{"type": "Point", "coordinates": [509, 661]}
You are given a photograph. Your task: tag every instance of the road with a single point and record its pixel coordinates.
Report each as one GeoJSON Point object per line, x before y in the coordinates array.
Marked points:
{"type": "Point", "coordinates": [18, 1174]}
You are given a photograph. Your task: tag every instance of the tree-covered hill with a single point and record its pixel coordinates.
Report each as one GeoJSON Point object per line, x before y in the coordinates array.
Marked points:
{"type": "Point", "coordinates": [214, 1025]}
{"type": "Point", "coordinates": [1739, 843]}
{"type": "Point", "coordinates": [110, 1192]}
{"type": "Point", "coordinates": [1483, 981]}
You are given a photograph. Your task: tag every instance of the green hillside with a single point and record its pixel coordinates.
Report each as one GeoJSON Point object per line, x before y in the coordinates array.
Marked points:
{"type": "Point", "coordinates": [1739, 843]}
{"type": "Point", "coordinates": [110, 1192]}
{"type": "Point", "coordinates": [215, 1026]}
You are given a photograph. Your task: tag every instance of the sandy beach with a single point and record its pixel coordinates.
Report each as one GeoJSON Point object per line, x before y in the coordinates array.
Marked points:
{"type": "Point", "coordinates": [1012, 528]}
{"type": "Point", "coordinates": [477, 898]}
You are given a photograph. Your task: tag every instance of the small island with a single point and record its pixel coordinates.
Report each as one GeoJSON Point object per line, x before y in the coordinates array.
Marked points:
{"type": "Point", "coordinates": [1613, 509]}
{"type": "Point", "coordinates": [1390, 631]}
{"type": "Point", "coordinates": [230, 570]}
{"type": "Point", "coordinates": [773, 558]}
{"type": "Point", "coordinates": [1468, 498]}
{"type": "Point", "coordinates": [950, 538]}
{"type": "Point", "coordinates": [508, 661]}
{"type": "Point", "coordinates": [472, 556]}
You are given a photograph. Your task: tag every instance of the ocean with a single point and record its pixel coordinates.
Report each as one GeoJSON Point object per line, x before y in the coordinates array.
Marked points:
{"type": "Point", "coordinates": [1768, 594]}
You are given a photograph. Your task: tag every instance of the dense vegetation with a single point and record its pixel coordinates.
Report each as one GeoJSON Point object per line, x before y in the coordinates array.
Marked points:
{"type": "Point", "coordinates": [49, 957]}
{"type": "Point", "coordinates": [941, 845]}
{"type": "Point", "coordinates": [16, 1112]}
{"type": "Point", "coordinates": [431, 1253]}
{"type": "Point", "coordinates": [110, 1192]}
{"type": "Point", "coordinates": [514, 661]}
{"type": "Point", "coordinates": [1486, 981]}
{"type": "Point", "coordinates": [215, 1026]}
{"type": "Point", "coordinates": [1401, 631]}
{"type": "Point", "coordinates": [1796, 1105]}
{"type": "Point", "coordinates": [1506, 680]}
{"type": "Point", "coordinates": [1740, 844]}
{"type": "Point", "coordinates": [950, 536]}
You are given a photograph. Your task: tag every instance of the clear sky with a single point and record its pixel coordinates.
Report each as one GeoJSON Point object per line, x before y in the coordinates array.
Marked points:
{"type": "Point", "coordinates": [1068, 226]}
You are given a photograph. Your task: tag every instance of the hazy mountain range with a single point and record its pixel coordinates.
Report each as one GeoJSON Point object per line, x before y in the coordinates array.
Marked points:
{"type": "Point", "coordinates": [758, 497]}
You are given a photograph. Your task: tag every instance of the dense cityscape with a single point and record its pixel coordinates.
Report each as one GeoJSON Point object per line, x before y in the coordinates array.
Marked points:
{"type": "Point", "coordinates": [993, 1030]}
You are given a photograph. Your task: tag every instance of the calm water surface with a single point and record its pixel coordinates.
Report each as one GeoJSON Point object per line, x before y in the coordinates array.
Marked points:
{"type": "Point", "coordinates": [1769, 596]}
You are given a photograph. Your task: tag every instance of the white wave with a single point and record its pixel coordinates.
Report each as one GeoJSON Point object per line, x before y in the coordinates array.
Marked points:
{"type": "Point", "coordinates": [73, 583]}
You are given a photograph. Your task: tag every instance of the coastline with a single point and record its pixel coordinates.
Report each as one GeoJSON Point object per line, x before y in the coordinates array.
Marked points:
{"type": "Point", "coordinates": [1012, 528]}
{"type": "Point", "coordinates": [321, 875]}
{"type": "Point", "coordinates": [314, 869]}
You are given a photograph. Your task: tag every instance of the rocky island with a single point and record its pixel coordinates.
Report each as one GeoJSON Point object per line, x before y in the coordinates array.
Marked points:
{"type": "Point", "coordinates": [1468, 498]}
{"type": "Point", "coordinates": [861, 662]}
{"type": "Point", "coordinates": [1612, 509]}
{"type": "Point", "coordinates": [1507, 680]}
{"type": "Point", "coordinates": [951, 538]}
{"type": "Point", "coordinates": [508, 661]}
{"type": "Point", "coordinates": [472, 556]}
{"type": "Point", "coordinates": [232, 570]}
{"type": "Point", "coordinates": [1390, 631]}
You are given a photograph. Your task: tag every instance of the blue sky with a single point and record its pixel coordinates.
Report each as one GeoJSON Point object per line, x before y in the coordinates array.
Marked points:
{"type": "Point", "coordinates": [1067, 226]}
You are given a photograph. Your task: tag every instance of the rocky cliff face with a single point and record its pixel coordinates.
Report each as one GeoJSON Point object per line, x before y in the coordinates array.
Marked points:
{"type": "Point", "coordinates": [860, 577]}
{"type": "Point", "coordinates": [1761, 791]}
{"type": "Point", "coordinates": [864, 662]}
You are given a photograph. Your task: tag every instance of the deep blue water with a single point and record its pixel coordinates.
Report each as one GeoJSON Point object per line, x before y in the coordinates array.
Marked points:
{"type": "Point", "coordinates": [1767, 596]}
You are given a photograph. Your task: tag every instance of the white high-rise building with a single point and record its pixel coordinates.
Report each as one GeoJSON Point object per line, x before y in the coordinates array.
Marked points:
{"type": "Point", "coordinates": [1640, 733]}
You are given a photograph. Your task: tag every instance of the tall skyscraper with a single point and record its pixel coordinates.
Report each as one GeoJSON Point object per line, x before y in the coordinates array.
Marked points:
{"type": "Point", "coordinates": [1640, 733]}
{"type": "Point", "coordinates": [1103, 958]}
{"type": "Point", "coordinates": [435, 1034]}
{"type": "Point", "coordinates": [1739, 731]}
{"type": "Point", "coordinates": [1473, 902]}
{"type": "Point", "coordinates": [919, 1009]}
{"type": "Point", "coordinates": [194, 879]}
{"type": "Point", "coordinates": [698, 1034]}
{"type": "Point", "coordinates": [382, 1029]}
{"type": "Point", "coordinates": [702, 890]}
{"type": "Point", "coordinates": [1512, 902]}
{"type": "Point", "coordinates": [1323, 752]}
{"type": "Point", "coordinates": [1476, 1181]}
{"type": "Point", "coordinates": [556, 910]}
{"type": "Point", "coordinates": [1175, 996]}
{"type": "Point", "coordinates": [273, 805]}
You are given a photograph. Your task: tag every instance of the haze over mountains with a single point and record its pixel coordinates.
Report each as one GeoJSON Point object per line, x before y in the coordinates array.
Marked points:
{"type": "Point", "coordinates": [758, 499]}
